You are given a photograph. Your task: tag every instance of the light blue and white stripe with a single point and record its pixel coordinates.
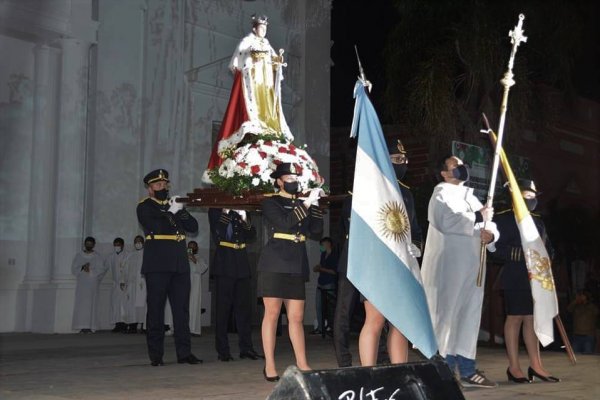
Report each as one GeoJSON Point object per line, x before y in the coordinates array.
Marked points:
{"type": "Point", "coordinates": [379, 265]}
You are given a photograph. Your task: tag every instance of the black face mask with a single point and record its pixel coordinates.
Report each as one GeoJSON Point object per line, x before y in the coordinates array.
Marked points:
{"type": "Point", "coordinates": [461, 173]}
{"type": "Point", "coordinates": [89, 248]}
{"type": "Point", "coordinates": [161, 194]}
{"type": "Point", "coordinates": [290, 187]}
{"type": "Point", "coordinates": [531, 203]}
{"type": "Point", "coordinates": [400, 170]}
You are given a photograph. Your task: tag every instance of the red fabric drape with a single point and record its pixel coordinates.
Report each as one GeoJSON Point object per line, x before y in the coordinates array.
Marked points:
{"type": "Point", "coordinates": [235, 115]}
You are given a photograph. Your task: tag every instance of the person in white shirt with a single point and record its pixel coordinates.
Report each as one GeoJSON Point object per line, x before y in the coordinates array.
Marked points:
{"type": "Point", "coordinates": [135, 310]}
{"type": "Point", "coordinates": [89, 269]}
{"type": "Point", "coordinates": [198, 267]}
{"type": "Point", "coordinates": [458, 225]}
{"type": "Point", "coordinates": [118, 295]}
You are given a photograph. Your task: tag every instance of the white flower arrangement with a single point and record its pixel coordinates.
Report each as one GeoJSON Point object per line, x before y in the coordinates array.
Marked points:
{"type": "Point", "coordinates": [252, 164]}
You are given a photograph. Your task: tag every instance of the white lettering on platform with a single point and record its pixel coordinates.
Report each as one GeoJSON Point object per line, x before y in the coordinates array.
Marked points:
{"type": "Point", "coordinates": [370, 394]}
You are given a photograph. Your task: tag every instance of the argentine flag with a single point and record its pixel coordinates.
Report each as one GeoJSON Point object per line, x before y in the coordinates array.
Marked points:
{"type": "Point", "coordinates": [379, 263]}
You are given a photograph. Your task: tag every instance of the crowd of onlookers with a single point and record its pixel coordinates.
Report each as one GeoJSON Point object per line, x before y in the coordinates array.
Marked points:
{"type": "Point", "coordinates": [127, 311]}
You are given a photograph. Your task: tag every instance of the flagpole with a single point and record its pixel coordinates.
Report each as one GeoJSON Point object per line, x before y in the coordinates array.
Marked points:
{"type": "Point", "coordinates": [516, 37]}
{"type": "Point", "coordinates": [565, 339]}
{"type": "Point", "coordinates": [559, 324]}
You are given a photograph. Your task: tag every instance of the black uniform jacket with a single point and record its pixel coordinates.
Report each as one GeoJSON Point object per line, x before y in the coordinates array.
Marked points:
{"type": "Point", "coordinates": [288, 216]}
{"type": "Point", "coordinates": [229, 261]}
{"type": "Point", "coordinates": [409, 202]}
{"type": "Point", "coordinates": [514, 275]}
{"type": "Point", "coordinates": [164, 255]}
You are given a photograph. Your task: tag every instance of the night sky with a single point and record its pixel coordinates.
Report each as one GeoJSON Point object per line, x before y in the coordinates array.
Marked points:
{"type": "Point", "coordinates": [364, 24]}
{"type": "Point", "coordinates": [367, 23]}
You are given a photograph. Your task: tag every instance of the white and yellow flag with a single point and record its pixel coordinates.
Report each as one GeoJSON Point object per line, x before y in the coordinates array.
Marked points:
{"type": "Point", "coordinates": [539, 268]}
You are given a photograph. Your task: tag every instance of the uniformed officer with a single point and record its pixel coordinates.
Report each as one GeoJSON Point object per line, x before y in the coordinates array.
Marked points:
{"type": "Point", "coordinates": [348, 296]}
{"type": "Point", "coordinates": [283, 264]}
{"type": "Point", "coordinates": [518, 300]}
{"type": "Point", "coordinates": [166, 267]}
{"type": "Point", "coordinates": [231, 231]}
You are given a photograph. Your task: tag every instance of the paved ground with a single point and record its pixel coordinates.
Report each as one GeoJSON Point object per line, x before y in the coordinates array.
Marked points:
{"type": "Point", "coordinates": [114, 366]}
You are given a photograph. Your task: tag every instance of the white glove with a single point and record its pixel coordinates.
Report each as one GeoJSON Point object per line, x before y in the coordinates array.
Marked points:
{"type": "Point", "coordinates": [242, 214]}
{"type": "Point", "coordinates": [487, 213]}
{"type": "Point", "coordinates": [414, 251]}
{"type": "Point", "coordinates": [226, 210]}
{"type": "Point", "coordinates": [313, 197]}
{"type": "Point", "coordinates": [174, 206]}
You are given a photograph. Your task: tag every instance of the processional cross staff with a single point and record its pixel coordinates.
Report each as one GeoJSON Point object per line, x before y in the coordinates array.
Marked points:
{"type": "Point", "coordinates": [516, 37]}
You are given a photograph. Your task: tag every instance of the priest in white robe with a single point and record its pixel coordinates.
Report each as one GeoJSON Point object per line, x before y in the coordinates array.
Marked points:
{"type": "Point", "coordinates": [450, 267]}
{"type": "Point", "coordinates": [198, 267]}
{"type": "Point", "coordinates": [118, 295]}
{"type": "Point", "coordinates": [135, 309]}
{"type": "Point", "coordinates": [89, 269]}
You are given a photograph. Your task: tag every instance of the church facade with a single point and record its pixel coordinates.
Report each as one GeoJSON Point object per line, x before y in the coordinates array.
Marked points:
{"type": "Point", "coordinates": [96, 93]}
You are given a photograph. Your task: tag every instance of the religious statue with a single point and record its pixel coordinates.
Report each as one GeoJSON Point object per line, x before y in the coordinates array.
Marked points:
{"type": "Point", "coordinates": [254, 136]}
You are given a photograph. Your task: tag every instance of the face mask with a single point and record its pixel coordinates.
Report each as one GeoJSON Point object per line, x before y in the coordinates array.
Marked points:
{"type": "Point", "coordinates": [290, 187]}
{"type": "Point", "coordinates": [400, 170]}
{"type": "Point", "coordinates": [531, 204]}
{"type": "Point", "coordinates": [461, 173]}
{"type": "Point", "coordinates": [89, 248]}
{"type": "Point", "coordinates": [118, 249]}
{"type": "Point", "coordinates": [161, 194]}
{"type": "Point", "coordinates": [139, 246]}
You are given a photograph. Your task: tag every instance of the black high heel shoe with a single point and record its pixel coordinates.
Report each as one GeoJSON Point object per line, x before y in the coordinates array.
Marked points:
{"type": "Point", "coordinates": [531, 372]}
{"type": "Point", "coordinates": [270, 378]}
{"type": "Point", "coordinates": [512, 378]}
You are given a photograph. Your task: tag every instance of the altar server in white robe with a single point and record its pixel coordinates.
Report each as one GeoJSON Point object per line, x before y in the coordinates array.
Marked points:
{"type": "Point", "coordinates": [118, 295]}
{"type": "Point", "coordinates": [89, 269]}
{"type": "Point", "coordinates": [198, 267]}
{"type": "Point", "coordinates": [450, 267]}
{"type": "Point", "coordinates": [135, 312]}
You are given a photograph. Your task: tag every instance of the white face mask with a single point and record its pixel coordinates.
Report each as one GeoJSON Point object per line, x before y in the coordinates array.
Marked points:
{"type": "Point", "coordinates": [139, 246]}
{"type": "Point", "coordinates": [118, 249]}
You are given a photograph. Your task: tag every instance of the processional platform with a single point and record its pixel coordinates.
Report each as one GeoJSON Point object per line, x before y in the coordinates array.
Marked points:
{"type": "Point", "coordinates": [247, 200]}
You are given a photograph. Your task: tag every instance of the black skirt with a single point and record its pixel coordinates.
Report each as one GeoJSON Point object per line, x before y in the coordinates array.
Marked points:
{"type": "Point", "coordinates": [280, 285]}
{"type": "Point", "coordinates": [518, 302]}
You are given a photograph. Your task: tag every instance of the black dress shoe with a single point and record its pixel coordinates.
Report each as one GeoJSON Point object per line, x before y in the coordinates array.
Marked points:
{"type": "Point", "coordinates": [191, 359]}
{"type": "Point", "coordinates": [251, 354]}
{"type": "Point", "coordinates": [225, 357]}
{"type": "Point", "coordinates": [157, 363]}
{"type": "Point", "coordinates": [270, 378]}
{"type": "Point", "coordinates": [512, 378]}
{"type": "Point", "coordinates": [531, 372]}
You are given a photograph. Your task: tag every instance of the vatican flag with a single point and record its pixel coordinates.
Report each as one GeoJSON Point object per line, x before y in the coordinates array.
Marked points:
{"type": "Point", "coordinates": [545, 304]}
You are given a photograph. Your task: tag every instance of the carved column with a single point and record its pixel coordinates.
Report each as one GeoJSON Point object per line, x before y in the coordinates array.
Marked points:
{"type": "Point", "coordinates": [43, 160]}
{"type": "Point", "coordinates": [71, 178]}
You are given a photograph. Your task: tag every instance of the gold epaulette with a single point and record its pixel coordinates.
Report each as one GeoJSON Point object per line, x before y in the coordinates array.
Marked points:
{"type": "Point", "coordinates": [143, 200]}
{"type": "Point", "coordinates": [504, 211]}
{"type": "Point", "coordinates": [535, 214]}
{"type": "Point", "coordinates": [403, 185]}
{"type": "Point", "coordinates": [162, 203]}
{"type": "Point", "coordinates": [285, 196]}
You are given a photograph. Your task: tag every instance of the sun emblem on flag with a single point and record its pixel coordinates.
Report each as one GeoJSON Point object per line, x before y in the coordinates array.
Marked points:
{"type": "Point", "coordinates": [540, 270]}
{"type": "Point", "coordinates": [393, 221]}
